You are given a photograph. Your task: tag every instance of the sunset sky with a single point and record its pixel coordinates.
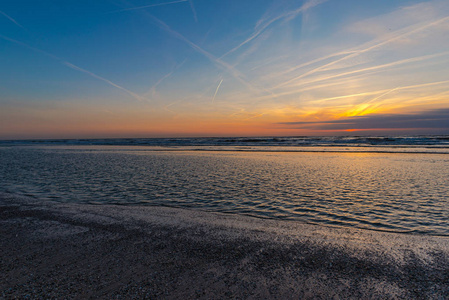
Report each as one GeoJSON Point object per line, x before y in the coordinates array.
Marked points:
{"type": "Point", "coordinates": [153, 68]}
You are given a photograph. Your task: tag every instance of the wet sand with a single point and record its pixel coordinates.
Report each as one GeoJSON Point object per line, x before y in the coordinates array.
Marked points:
{"type": "Point", "coordinates": [55, 250]}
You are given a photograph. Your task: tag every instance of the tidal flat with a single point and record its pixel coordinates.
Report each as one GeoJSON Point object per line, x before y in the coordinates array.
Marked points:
{"type": "Point", "coordinates": [395, 192]}
{"type": "Point", "coordinates": [78, 250]}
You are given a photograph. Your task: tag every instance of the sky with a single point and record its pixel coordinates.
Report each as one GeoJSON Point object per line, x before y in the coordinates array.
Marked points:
{"type": "Point", "coordinates": [180, 68]}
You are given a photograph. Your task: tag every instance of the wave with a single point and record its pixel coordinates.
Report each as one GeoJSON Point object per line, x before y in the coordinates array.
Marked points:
{"type": "Point", "coordinates": [441, 141]}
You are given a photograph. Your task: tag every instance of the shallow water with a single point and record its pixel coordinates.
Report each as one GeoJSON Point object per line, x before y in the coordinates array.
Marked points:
{"type": "Point", "coordinates": [405, 192]}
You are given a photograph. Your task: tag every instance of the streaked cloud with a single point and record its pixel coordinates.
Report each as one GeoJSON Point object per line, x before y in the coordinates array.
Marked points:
{"type": "Point", "coordinates": [431, 119]}
{"type": "Point", "coordinates": [394, 37]}
{"type": "Point", "coordinates": [264, 23]}
{"type": "Point", "coordinates": [218, 62]}
{"type": "Point", "coordinates": [72, 66]}
{"type": "Point", "coordinates": [147, 6]}
{"type": "Point", "coordinates": [323, 63]}
{"type": "Point", "coordinates": [192, 6]}
{"type": "Point", "coordinates": [152, 91]}
{"type": "Point", "coordinates": [10, 18]}
{"type": "Point", "coordinates": [216, 91]}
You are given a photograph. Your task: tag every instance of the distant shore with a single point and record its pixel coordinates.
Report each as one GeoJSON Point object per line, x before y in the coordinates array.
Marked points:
{"type": "Point", "coordinates": [56, 250]}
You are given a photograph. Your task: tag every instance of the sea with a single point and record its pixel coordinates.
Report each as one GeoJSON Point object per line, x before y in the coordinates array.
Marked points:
{"type": "Point", "coordinates": [384, 183]}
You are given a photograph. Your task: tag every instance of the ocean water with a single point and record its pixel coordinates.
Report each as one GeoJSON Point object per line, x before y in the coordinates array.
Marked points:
{"type": "Point", "coordinates": [395, 184]}
{"type": "Point", "coordinates": [388, 143]}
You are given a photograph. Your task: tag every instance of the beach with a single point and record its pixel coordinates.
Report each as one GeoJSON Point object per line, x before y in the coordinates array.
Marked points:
{"type": "Point", "coordinates": [68, 250]}
{"type": "Point", "coordinates": [185, 149]}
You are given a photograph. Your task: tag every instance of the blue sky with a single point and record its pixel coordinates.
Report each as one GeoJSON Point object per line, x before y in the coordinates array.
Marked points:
{"type": "Point", "coordinates": [221, 67]}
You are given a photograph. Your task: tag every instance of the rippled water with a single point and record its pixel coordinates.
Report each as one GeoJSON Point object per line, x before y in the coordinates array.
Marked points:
{"type": "Point", "coordinates": [382, 191]}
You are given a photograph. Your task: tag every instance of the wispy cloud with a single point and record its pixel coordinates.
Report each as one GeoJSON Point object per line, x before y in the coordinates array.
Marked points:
{"type": "Point", "coordinates": [443, 82]}
{"type": "Point", "coordinates": [265, 23]}
{"type": "Point", "coordinates": [202, 95]}
{"type": "Point", "coordinates": [29, 47]}
{"type": "Point", "coordinates": [218, 62]}
{"type": "Point", "coordinates": [311, 62]}
{"type": "Point", "coordinates": [72, 66]}
{"type": "Point", "coordinates": [11, 19]}
{"type": "Point", "coordinates": [371, 69]}
{"type": "Point", "coordinates": [146, 6]}
{"type": "Point", "coordinates": [366, 105]}
{"type": "Point", "coordinates": [430, 119]}
{"type": "Point", "coordinates": [399, 34]}
{"type": "Point", "coordinates": [152, 90]}
{"type": "Point", "coordinates": [356, 102]}
{"type": "Point", "coordinates": [193, 10]}
{"type": "Point", "coordinates": [216, 91]}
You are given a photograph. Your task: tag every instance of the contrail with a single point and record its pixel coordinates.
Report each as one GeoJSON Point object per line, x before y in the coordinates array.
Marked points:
{"type": "Point", "coordinates": [310, 62]}
{"type": "Point", "coordinates": [339, 54]}
{"type": "Point", "coordinates": [383, 94]}
{"type": "Point", "coordinates": [11, 19]}
{"type": "Point", "coordinates": [373, 68]}
{"type": "Point", "coordinates": [152, 90]}
{"type": "Point", "coordinates": [290, 15]}
{"type": "Point", "coordinates": [216, 91]}
{"type": "Point", "coordinates": [29, 47]}
{"type": "Point", "coordinates": [236, 74]}
{"type": "Point", "coordinates": [147, 6]}
{"type": "Point", "coordinates": [357, 53]}
{"type": "Point", "coordinates": [400, 88]}
{"type": "Point", "coordinates": [255, 116]}
{"type": "Point", "coordinates": [72, 66]}
{"type": "Point", "coordinates": [370, 93]}
{"type": "Point", "coordinates": [219, 63]}
{"type": "Point", "coordinates": [368, 104]}
{"type": "Point", "coordinates": [193, 10]}
{"type": "Point", "coordinates": [383, 91]}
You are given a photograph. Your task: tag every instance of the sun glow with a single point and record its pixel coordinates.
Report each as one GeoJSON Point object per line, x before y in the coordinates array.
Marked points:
{"type": "Point", "coordinates": [258, 77]}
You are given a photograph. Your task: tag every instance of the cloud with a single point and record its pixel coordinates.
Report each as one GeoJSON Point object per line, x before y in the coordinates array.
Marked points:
{"type": "Point", "coordinates": [152, 90]}
{"type": "Point", "coordinates": [400, 34]}
{"type": "Point", "coordinates": [11, 19]}
{"type": "Point", "coordinates": [370, 69]}
{"type": "Point", "coordinates": [218, 62]}
{"type": "Point", "coordinates": [193, 10]}
{"type": "Point", "coordinates": [431, 119]}
{"type": "Point", "coordinates": [146, 6]}
{"type": "Point", "coordinates": [265, 23]}
{"type": "Point", "coordinates": [379, 26]}
{"type": "Point", "coordinates": [216, 91]}
{"type": "Point", "coordinates": [444, 82]}
{"type": "Point", "coordinates": [72, 66]}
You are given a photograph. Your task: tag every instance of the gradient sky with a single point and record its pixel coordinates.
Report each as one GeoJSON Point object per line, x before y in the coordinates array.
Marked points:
{"type": "Point", "coordinates": [153, 68]}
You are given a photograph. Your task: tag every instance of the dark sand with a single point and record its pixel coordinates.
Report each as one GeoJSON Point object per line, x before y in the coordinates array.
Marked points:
{"type": "Point", "coordinates": [52, 250]}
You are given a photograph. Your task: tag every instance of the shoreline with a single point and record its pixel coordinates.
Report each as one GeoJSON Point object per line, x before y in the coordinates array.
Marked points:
{"type": "Point", "coordinates": [108, 251]}
{"type": "Point", "coordinates": [332, 149]}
